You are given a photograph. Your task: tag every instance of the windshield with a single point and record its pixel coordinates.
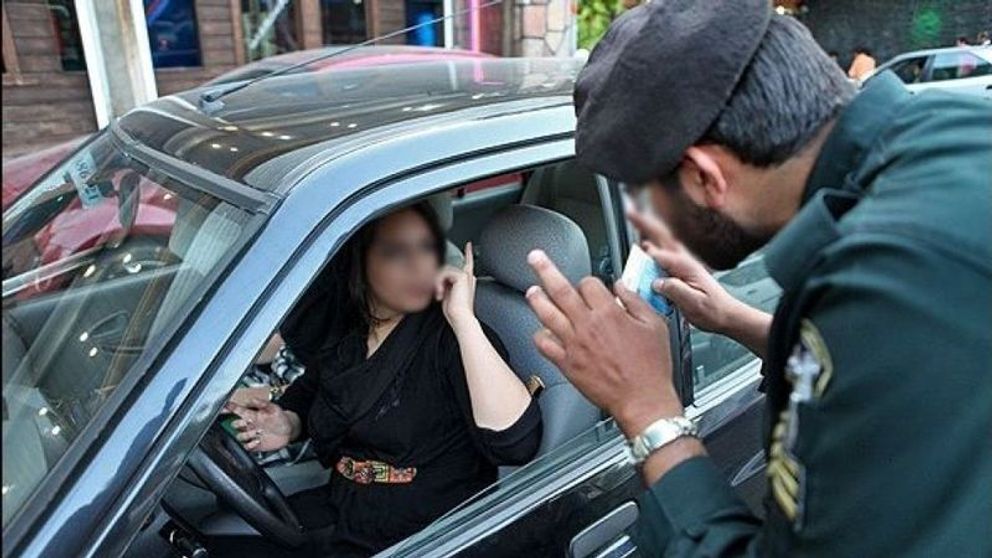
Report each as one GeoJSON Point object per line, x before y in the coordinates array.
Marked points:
{"type": "Point", "coordinates": [101, 259]}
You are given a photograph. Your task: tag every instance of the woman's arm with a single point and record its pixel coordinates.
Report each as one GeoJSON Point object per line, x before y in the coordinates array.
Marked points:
{"type": "Point", "coordinates": [498, 397]}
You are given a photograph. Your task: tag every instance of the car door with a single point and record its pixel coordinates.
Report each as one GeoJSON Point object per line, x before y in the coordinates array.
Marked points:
{"type": "Point", "coordinates": [581, 499]}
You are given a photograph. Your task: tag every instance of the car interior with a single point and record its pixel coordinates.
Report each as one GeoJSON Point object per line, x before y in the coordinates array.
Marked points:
{"type": "Point", "coordinates": [560, 208]}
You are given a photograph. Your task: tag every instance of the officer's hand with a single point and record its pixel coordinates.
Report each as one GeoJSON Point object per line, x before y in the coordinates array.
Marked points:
{"type": "Point", "coordinates": [618, 356]}
{"type": "Point", "coordinates": [690, 286]}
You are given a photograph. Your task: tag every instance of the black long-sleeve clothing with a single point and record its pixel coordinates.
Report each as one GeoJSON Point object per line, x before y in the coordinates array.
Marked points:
{"type": "Point", "coordinates": [422, 419]}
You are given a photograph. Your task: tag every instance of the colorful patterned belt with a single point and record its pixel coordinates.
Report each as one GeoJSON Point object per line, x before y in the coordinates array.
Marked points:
{"type": "Point", "coordinates": [367, 472]}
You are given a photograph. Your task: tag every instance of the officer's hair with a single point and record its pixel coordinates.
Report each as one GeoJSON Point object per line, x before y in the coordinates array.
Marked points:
{"type": "Point", "coordinates": [789, 90]}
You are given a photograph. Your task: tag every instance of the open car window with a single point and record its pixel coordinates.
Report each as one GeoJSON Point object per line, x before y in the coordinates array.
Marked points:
{"type": "Point", "coordinates": [101, 258]}
{"type": "Point", "coordinates": [716, 356]}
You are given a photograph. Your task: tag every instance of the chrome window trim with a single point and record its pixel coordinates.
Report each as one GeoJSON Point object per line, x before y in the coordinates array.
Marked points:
{"type": "Point", "coordinates": [612, 227]}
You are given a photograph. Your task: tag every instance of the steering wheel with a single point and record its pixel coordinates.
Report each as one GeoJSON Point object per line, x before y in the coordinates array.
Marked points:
{"type": "Point", "coordinates": [237, 480]}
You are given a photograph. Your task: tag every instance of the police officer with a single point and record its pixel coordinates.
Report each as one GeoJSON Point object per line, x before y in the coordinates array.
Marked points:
{"type": "Point", "coordinates": [874, 210]}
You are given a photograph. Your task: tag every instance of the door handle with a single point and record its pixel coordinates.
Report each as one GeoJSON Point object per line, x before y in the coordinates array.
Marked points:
{"type": "Point", "coordinates": [606, 530]}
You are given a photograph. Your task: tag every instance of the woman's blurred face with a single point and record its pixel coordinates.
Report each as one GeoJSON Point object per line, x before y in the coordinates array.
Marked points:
{"type": "Point", "coordinates": [401, 264]}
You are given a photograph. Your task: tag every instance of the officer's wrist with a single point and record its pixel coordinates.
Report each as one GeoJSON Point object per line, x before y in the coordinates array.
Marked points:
{"type": "Point", "coordinates": [635, 416]}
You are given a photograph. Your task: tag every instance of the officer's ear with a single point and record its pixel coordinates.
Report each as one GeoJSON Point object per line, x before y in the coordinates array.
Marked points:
{"type": "Point", "coordinates": [703, 175]}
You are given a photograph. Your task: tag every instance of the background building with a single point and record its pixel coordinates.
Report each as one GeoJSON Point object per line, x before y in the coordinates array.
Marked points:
{"type": "Point", "coordinates": [890, 27]}
{"type": "Point", "coordinates": [47, 96]}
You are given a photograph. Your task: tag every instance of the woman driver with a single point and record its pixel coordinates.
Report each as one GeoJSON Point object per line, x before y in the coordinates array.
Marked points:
{"type": "Point", "coordinates": [410, 399]}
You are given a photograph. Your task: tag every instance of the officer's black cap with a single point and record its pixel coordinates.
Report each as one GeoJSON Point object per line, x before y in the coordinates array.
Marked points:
{"type": "Point", "coordinates": [658, 79]}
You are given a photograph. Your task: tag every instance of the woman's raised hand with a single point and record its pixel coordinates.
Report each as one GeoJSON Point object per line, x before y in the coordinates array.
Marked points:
{"type": "Point", "coordinates": [456, 289]}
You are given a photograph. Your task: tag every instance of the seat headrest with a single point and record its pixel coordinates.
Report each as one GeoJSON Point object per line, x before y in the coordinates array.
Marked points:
{"type": "Point", "coordinates": [441, 203]}
{"type": "Point", "coordinates": [513, 232]}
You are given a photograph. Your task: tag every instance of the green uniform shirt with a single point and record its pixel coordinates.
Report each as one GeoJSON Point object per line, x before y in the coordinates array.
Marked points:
{"type": "Point", "coordinates": [879, 375]}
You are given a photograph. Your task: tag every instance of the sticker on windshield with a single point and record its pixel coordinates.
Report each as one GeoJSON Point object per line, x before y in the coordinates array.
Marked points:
{"type": "Point", "coordinates": [80, 171]}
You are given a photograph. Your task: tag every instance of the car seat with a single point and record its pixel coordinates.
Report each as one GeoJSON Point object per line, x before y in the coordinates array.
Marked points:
{"type": "Point", "coordinates": [502, 254]}
{"type": "Point", "coordinates": [573, 191]}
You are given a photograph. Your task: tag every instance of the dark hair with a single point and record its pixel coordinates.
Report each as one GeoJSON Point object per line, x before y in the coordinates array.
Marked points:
{"type": "Point", "coordinates": [789, 90]}
{"type": "Point", "coordinates": [963, 39]}
{"type": "Point", "coordinates": [353, 258]}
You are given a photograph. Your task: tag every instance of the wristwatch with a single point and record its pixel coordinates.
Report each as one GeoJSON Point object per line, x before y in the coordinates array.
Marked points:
{"type": "Point", "coordinates": [659, 434]}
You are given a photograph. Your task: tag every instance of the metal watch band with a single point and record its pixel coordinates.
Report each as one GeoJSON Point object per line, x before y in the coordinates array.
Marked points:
{"type": "Point", "coordinates": [659, 434]}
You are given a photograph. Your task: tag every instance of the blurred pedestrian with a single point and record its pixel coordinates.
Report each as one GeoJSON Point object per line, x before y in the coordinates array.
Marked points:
{"type": "Point", "coordinates": [862, 65]}
{"type": "Point", "coordinates": [962, 41]}
{"type": "Point", "coordinates": [983, 39]}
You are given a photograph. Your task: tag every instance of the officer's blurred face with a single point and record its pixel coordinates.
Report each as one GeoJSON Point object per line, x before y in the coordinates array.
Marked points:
{"type": "Point", "coordinates": [715, 238]}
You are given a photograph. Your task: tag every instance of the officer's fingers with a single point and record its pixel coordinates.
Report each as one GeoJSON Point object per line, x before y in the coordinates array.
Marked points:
{"type": "Point", "coordinates": [549, 346]}
{"type": "Point", "coordinates": [634, 304]}
{"type": "Point", "coordinates": [557, 286]}
{"type": "Point", "coordinates": [652, 228]}
{"type": "Point", "coordinates": [677, 291]}
{"type": "Point", "coordinates": [548, 314]}
{"type": "Point", "coordinates": [595, 293]}
{"type": "Point", "coordinates": [675, 262]}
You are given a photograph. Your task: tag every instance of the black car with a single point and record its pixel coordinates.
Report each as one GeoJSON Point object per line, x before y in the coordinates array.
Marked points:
{"type": "Point", "coordinates": [118, 356]}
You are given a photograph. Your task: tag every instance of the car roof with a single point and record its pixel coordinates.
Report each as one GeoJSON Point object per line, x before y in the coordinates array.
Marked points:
{"type": "Point", "coordinates": [282, 115]}
{"type": "Point", "coordinates": [343, 56]}
{"type": "Point", "coordinates": [983, 51]}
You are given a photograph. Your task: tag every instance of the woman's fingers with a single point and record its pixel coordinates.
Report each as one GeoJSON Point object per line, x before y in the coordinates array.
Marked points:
{"type": "Point", "coordinates": [447, 276]}
{"type": "Point", "coordinates": [469, 267]}
{"type": "Point", "coordinates": [250, 435]}
{"type": "Point", "coordinates": [242, 424]}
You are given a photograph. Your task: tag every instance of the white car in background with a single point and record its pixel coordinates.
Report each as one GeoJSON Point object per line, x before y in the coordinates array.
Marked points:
{"type": "Point", "coordinates": [964, 69]}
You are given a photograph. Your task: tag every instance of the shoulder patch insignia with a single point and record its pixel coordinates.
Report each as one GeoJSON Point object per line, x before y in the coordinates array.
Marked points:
{"type": "Point", "coordinates": [808, 371]}
{"type": "Point", "coordinates": [812, 343]}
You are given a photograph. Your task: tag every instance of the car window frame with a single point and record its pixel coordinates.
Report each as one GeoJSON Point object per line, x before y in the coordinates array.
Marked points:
{"type": "Point", "coordinates": [285, 287]}
{"type": "Point", "coordinates": [23, 523]}
{"type": "Point", "coordinates": [718, 403]}
{"type": "Point", "coordinates": [924, 76]}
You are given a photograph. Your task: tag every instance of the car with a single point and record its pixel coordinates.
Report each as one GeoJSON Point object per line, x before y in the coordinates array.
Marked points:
{"type": "Point", "coordinates": [114, 379]}
{"type": "Point", "coordinates": [963, 69]}
{"type": "Point", "coordinates": [155, 213]}
{"type": "Point", "coordinates": [22, 171]}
